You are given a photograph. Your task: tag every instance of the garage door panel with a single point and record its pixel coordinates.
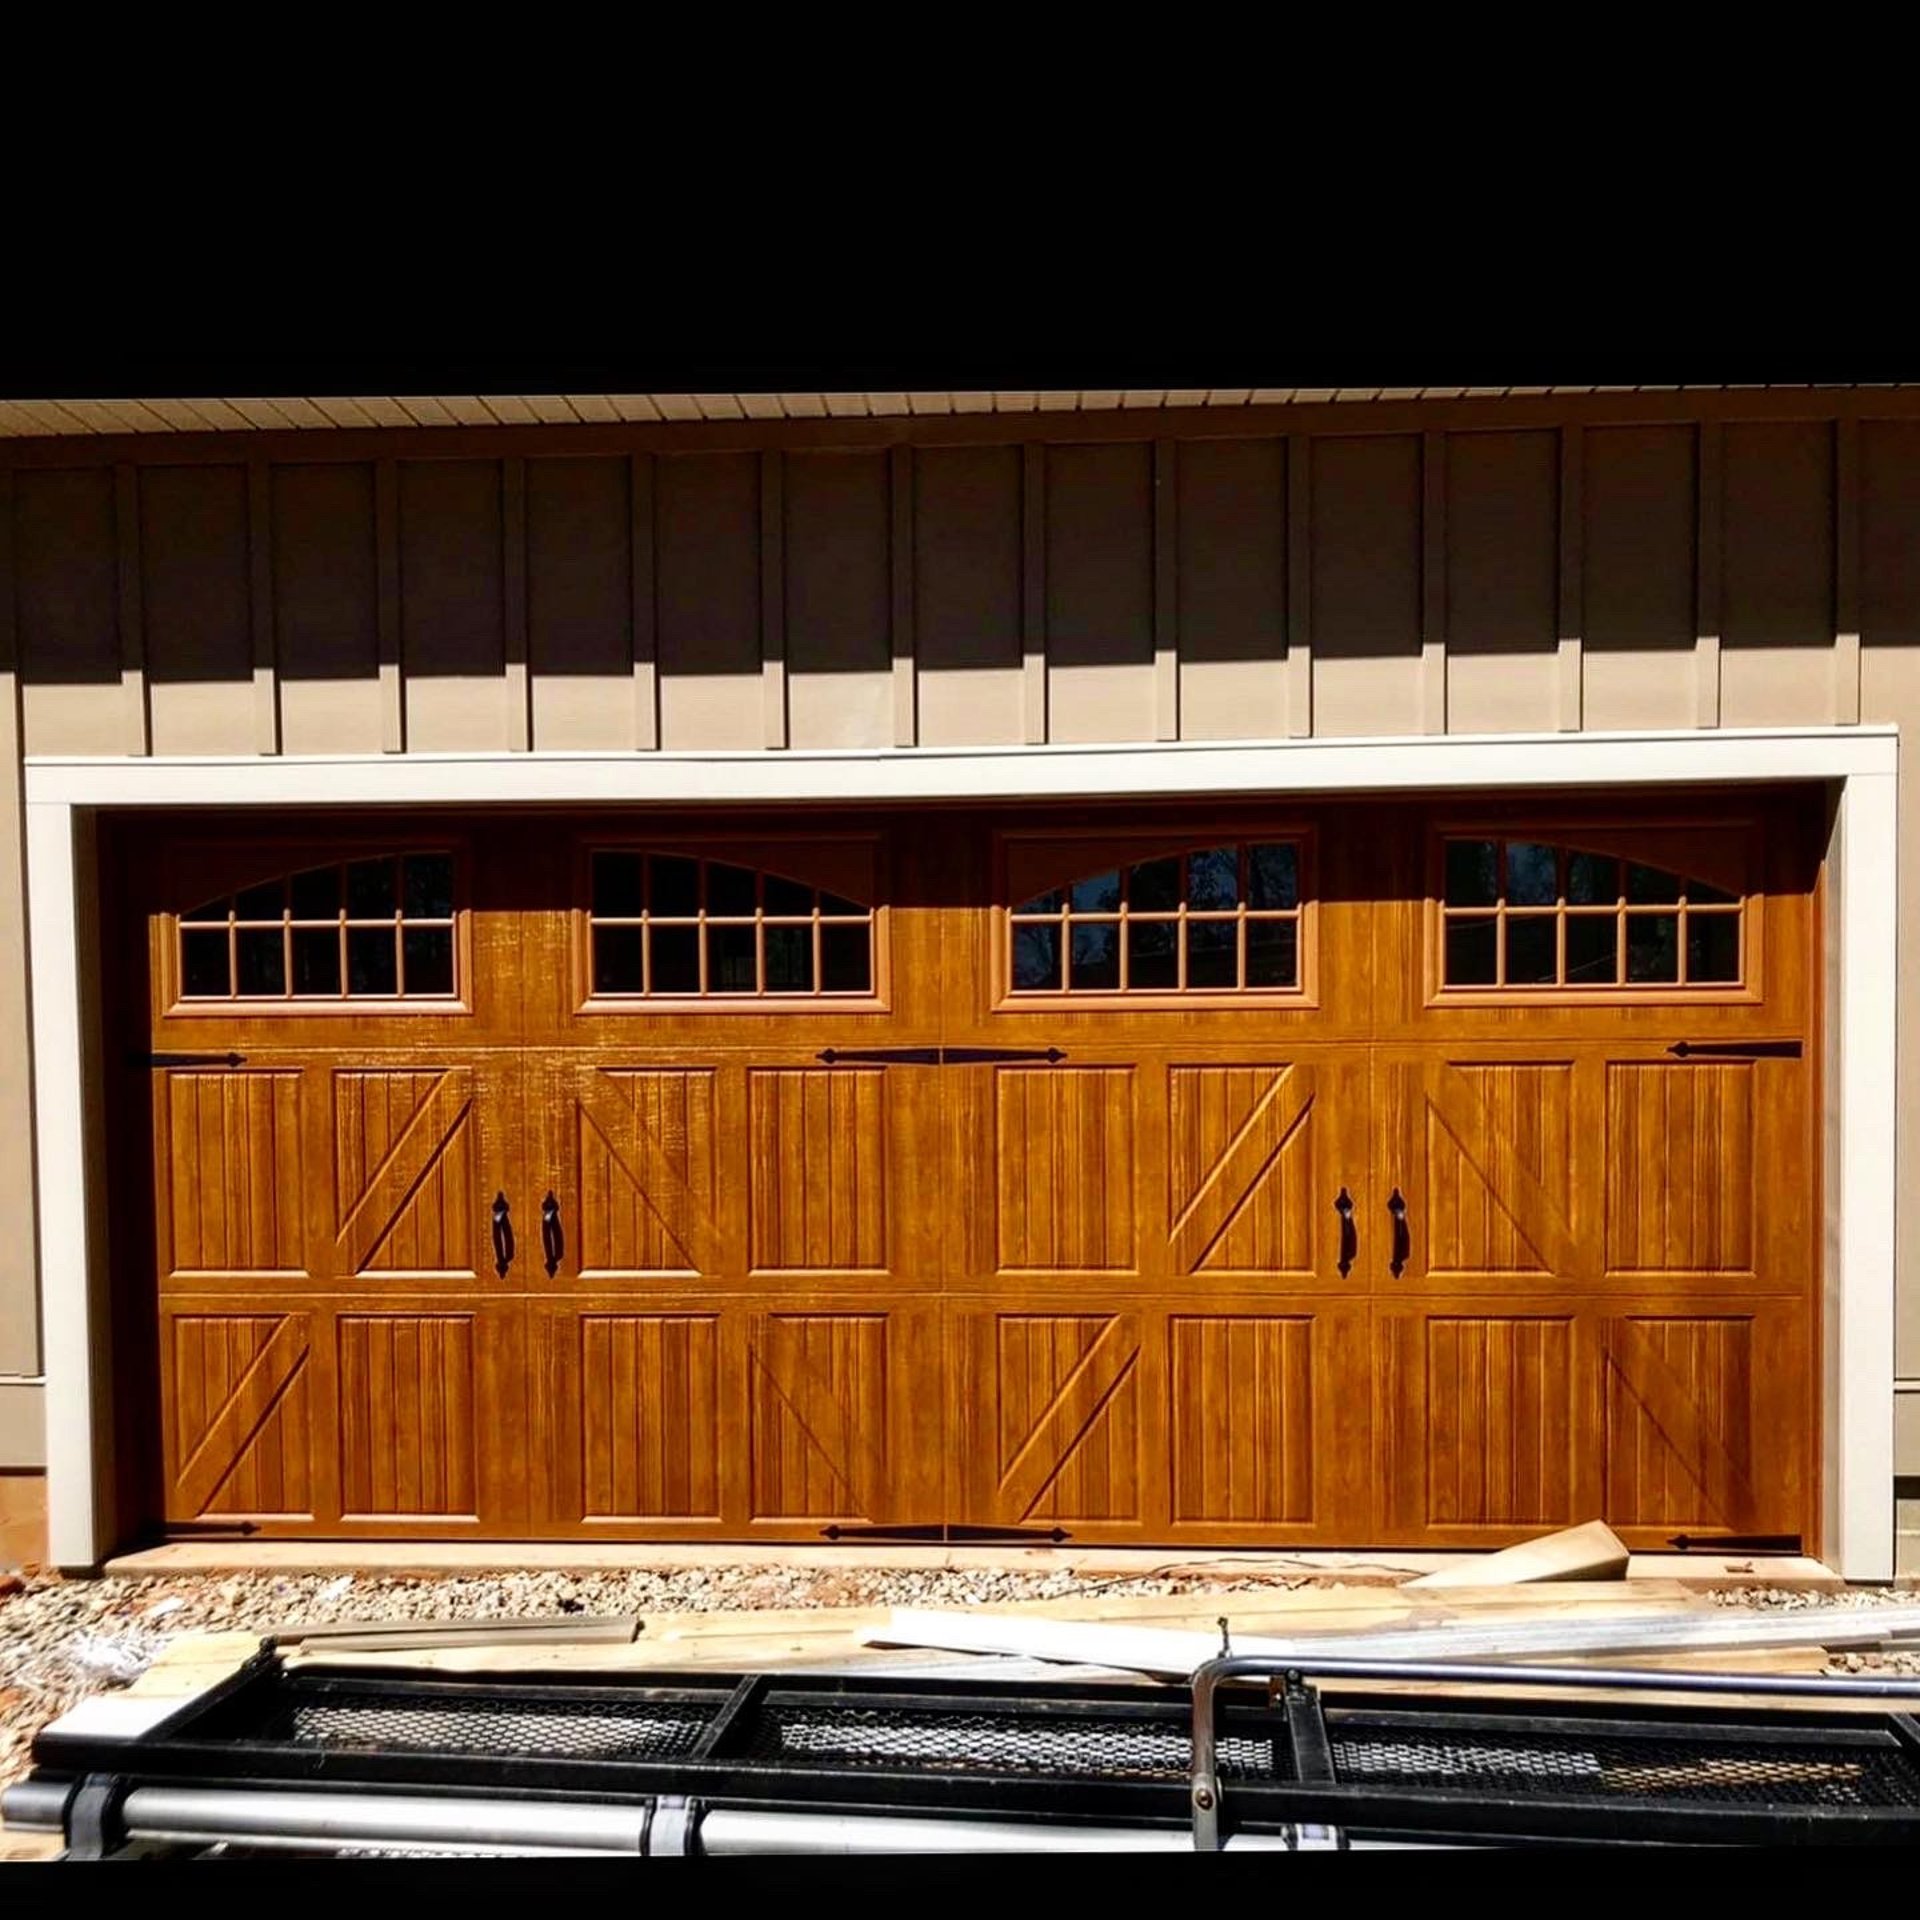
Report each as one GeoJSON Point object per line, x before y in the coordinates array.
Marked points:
{"type": "Point", "coordinates": [1705, 1417]}
{"type": "Point", "coordinates": [718, 1415]}
{"type": "Point", "coordinates": [819, 1142]}
{"type": "Point", "coordinates": [1064, 1147]}
{"type": "Point", "coordinates": [1240, 1168]}
{"type": "Point", "coordinates": [1049, 1416]}
{"type": "Point", "coordinates": [645, 1170]}
{"type": "Point", "coordinates": [1237, 1418]}
{"type": "Point", "coordinates": [238, 1431]}
{"type": "Point", "coordinates": [322, 1417]}
{"type": "Point", "coordinates": [1482, 1420]}
{"type": "Point", "coordinates": [1494, 1163]}
{"type": "Point", "coordinates": [1267, 1419]}
{"type": "Point", "coordinates": [1682, 1167]}
{"type": "Point", "coordinates": [232, 1183]}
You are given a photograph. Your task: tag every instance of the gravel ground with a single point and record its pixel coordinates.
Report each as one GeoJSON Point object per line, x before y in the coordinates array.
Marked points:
{"type": "Point", "coordinates": [61, 1640]}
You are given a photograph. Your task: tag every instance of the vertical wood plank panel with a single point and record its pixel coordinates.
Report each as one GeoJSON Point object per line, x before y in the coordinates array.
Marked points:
{"type": "Point", "coordinates": [580, 603]}
{"type": "Point", "coordinates": [453, 606]}
{"type": "Point", "coordinates": [646, 680]}
{"type": "Point", "coordinates": [194, 601]}
{"type": "Point", "coordinates": [969, 595]}
{"type": "Point", "coordinates": [325, 603]}
{"type": "Point", "coordinates": [1639, 576]}
{"type": "Point", "coordinates": [1433, 583]}
{"type": "Point", "coordinates": [1166, 587]}
{"type": "Point", "coordinates": [1299, 511]}
{"type": "Point", "coordinates": [133, 640]}
{"type": "Point", "coordinates": [838, 597]}
{"type": "Point", "coordinates": [1230, 588]}
{"type": "Point", "coordinates": [773, 604]}
{"type": "Point", "coordinates": [1846, 570]}
{"type": "Point", "coordinates": [266, 674]}
{"type": "Point", "coordinates": [1366, 584]}
{"type": "Point", "coordinates": [906, 675]}
{"type": "Point", "coordinates": [1571, 678]}
{"type": "Point", "coordinates": [1033, 584]}
{"type": "Point", "coordinates": [513, 574]}
{"type": "Point", "coordinates": [1707, 546]}
{"type": "Point", "coordinates": [1777, 573]}
{"type": "Point", "coordinates": [708, 566]}
{"type": "Point", "coordinates": [66, 587]}
{"type": "Point", "coordinates": [1099, 591]}
{"type": "Point", "coordinates": [1501, 561]}
{"type": "Point", "coordinates": [386, 523]}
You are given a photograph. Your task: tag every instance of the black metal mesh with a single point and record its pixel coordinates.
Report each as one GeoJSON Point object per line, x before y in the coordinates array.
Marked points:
{"type": "Point", "coordinates": [611, 1729]}
{"type": "Point", "coordinates": [985, 1741]}
{"type": "Point", "coordinates": [1604, 1766]}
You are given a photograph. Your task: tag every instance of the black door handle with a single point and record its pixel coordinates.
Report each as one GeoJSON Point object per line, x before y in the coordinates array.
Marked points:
{"type": "Point", "coordinates": [1349, 1234]}
{"type": "Point", "coordinates": [553, 1243]}
{"type": "Point", "coordinates": [502, 1236]}
{"type": "Point", "coordinates": [1402, 1239]}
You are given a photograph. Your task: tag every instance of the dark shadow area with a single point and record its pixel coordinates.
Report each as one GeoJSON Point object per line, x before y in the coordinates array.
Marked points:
{"type": "Point", "coordinates": [452, 616]}
{"type": "Point", "coordinates": [326, 586]}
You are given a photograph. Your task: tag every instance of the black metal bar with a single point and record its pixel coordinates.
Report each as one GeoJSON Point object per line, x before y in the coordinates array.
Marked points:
{"type": "Point", "coordinates": [186, 1059]}
{"type": "Point", "coordinates": [1735, 1542]}
{"type": "Point", "coordinates": [731, 1718]}
{"type": "Point", "coordinates": [934, 1056]}
{"type": "Point", "coordinates": [943, 1533]}
{"type": "Point", "coordinates": [983, 1056]}
{"type": "Point", "coordinates": [881, 1056]}
{"type": "Point", "coordinates": [1736, 1049]}
{"type": "Point", "coordinates": [1307, 1731]}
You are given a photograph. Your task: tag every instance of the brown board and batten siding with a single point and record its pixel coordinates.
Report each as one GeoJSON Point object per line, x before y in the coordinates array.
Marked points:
{"type": "Point", "coordinates": [1606, 562]}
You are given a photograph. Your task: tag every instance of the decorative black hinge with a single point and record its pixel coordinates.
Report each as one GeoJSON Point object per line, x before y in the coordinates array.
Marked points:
{"type": "Point", "coordinates": [938, 1534]}
{"type": "Point", "coordinates": [933, 1056]}
{"type": "Point", "coordinates": [1735, 1542]}
{"type": "Point", "coordinates": [1735, 1049]}
{"type": "Point", "coordinates": [186, 1059]}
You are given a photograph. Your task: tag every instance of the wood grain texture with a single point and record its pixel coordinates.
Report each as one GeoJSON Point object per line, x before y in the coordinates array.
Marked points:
{"type": "Point", "coordinates": [241, 1428]}
{"type": "Point", "coordinates": [653, 1442]}
{"type": "Point", "coordinates": [408, 1405]}
{"type": "Point", "coordinates": [647, 1165]}
{"type": "Point", "coordinates": [1241, 1165]}
{"type": "Point", "coordinates": [818, 1154]}
{"type": "Point", "coordinates": [235, 1178]}
{"type": "Point", "coordinates": [1064, 1151]}
{"type": "Point", "coordinates": [1241, 1426]}
{"type": "Point", "coordinates": [1104, 1293]}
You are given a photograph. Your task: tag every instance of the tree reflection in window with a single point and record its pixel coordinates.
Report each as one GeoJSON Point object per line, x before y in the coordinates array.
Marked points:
{"type": "Point", "coordinates": [379, 928]}
{"type": "Point", "coordinates": [673, 926]}
{"type": "Point", "coordinates": [1530, 914]}
{"type": "Point", "coordinates": [1223, 918]}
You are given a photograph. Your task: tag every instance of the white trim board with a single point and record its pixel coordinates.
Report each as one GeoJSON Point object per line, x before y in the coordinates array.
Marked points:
{"type": "Point", "coordinates": [979, 773]}
{"type": "Point", "coordinates": [64, 794]}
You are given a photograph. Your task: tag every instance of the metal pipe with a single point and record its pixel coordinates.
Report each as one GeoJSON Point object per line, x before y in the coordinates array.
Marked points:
{"type": "Point", "coordinates": [210, 1814]}
{"type": "Point", "coordinates": [739, 1831]}
{"type": "Point", "coordinates": [37, 1805]}
{"type": "Point", "coordinates": [1204, 1781]}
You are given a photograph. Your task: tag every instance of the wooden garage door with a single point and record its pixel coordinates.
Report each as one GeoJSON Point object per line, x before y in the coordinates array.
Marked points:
{"type": "Point", "coordinates": [1328, 1176]}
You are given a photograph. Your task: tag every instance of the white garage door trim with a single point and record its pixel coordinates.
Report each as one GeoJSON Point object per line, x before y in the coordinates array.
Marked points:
{"type": "Point", "coordinates": [63, 796]}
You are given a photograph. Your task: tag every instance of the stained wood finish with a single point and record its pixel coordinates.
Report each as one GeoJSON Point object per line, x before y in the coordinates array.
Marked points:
{"type": "Point", "coordinates": [1102, 1293]}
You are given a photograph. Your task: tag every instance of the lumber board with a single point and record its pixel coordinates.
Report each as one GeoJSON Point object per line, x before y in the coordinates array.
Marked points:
{"type": "Point", "coordinates": [1175, 1652]}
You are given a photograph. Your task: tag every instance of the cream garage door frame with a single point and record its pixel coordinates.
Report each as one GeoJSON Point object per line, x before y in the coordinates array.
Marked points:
{"type": "Point", "coordinates": [64, 795]}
